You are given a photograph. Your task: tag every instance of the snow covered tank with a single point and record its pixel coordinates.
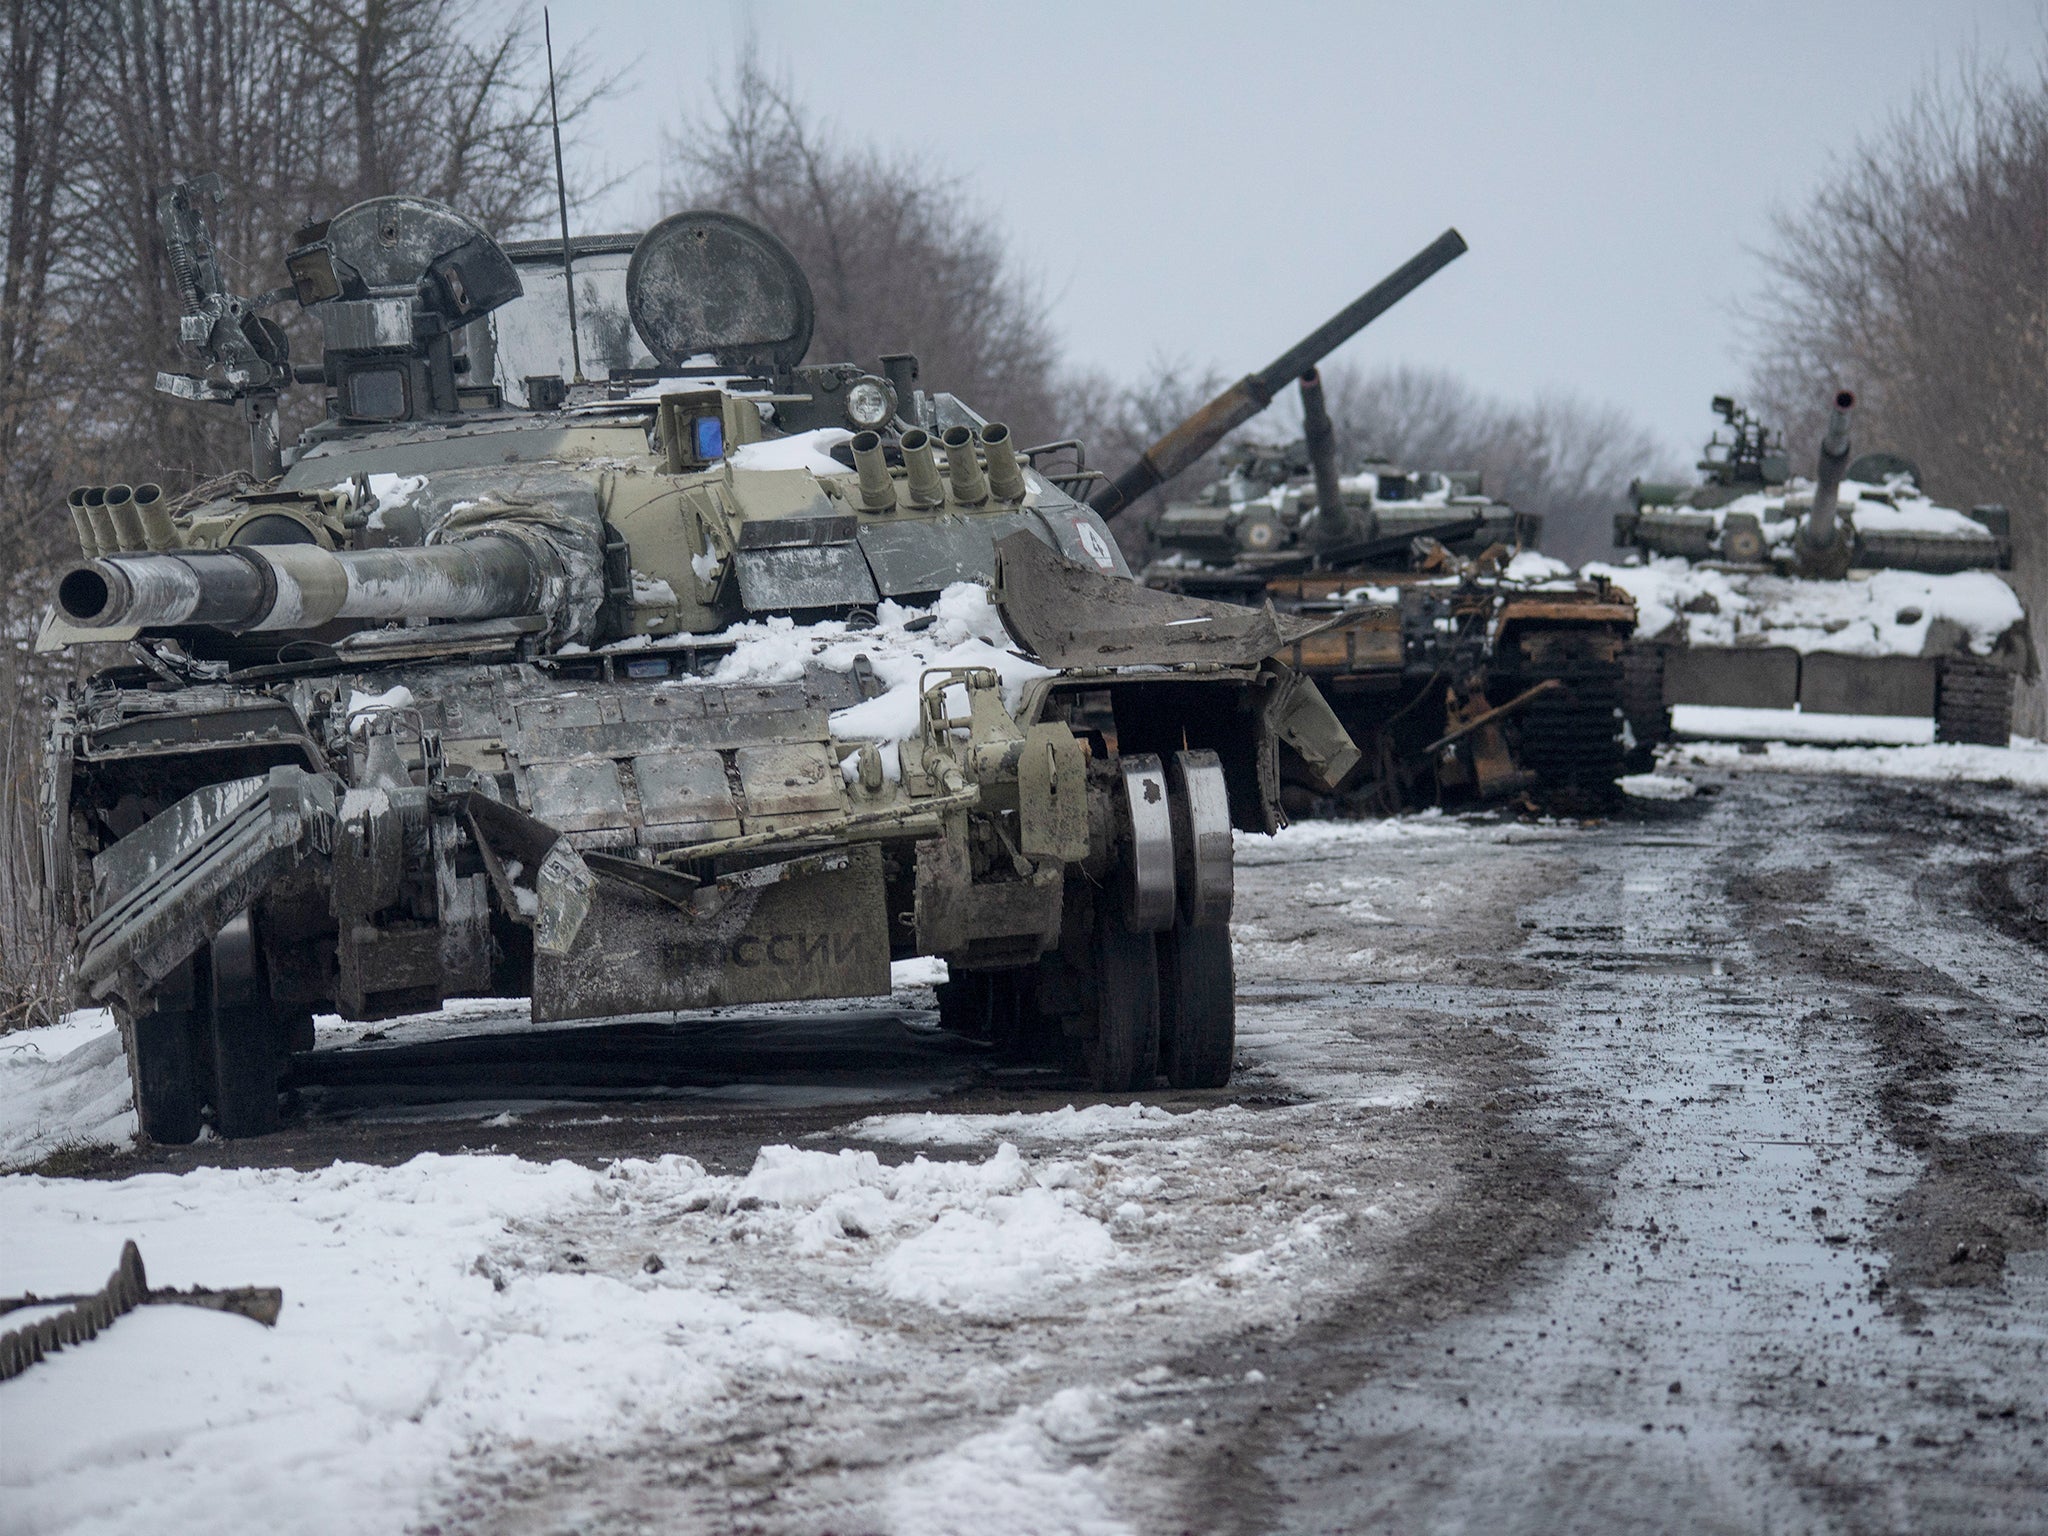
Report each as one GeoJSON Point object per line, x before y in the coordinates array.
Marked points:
{"type": "Point", "coordinates": [1464, 664]}
{"type": "Point", "coordinates": [1851, 593]}
{"type": "Point", "coordinates": [722, 680]}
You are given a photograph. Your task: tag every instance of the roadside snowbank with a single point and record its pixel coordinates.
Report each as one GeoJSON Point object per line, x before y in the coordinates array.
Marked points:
{"type": "Point", "coordinates": [64, 1086]}
{"type": "Point", "coordinates": [1726, 722]}
{"type": "Point", "coordinates": [2024, 763]}
{"type": "Point", "coordinates": [434, 1304]}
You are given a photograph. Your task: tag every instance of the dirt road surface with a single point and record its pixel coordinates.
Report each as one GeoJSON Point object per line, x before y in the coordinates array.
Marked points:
{"type": "Point", "coordinates": [1679, 1172]}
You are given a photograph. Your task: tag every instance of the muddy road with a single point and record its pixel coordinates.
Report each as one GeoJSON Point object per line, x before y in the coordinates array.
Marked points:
{"type": "Point", "coordinates": [1679, 1172]}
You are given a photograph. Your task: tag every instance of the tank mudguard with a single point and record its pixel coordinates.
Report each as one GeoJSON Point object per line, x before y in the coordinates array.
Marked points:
{"type": "Point", "coordinates": [170, 885]}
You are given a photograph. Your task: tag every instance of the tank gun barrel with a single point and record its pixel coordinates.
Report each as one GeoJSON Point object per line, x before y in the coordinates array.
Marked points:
{"type": "Point", "coordinates": [1195, 436]}
{"type": "Point", "coordinates": [1821, 528]}
{"type": "Point", "coordinates": [1332, 526]}
{"type": "Point", "coordinates": [301, 586]}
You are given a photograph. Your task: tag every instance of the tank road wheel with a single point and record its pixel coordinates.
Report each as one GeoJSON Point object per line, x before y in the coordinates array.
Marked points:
{"type": "Point", "coordinates": [1973, 702]}
{"type": "Point", "coordinates": [1124, 1055]}
{"type": "Point", "coordinates": [164, 1064]}
{"type": "Point", "coordinates": [1642, 704]}
{"type": "Point", "coordinates": [1197, 1005]}
{"type": "Point", "coordinates": [1197, 980]}
{"type": "Point", "coordinates": [1571, 736]}
{"type": "Point", "coordinates": [248, 1043]}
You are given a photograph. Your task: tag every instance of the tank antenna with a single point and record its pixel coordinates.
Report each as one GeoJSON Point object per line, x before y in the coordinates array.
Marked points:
{"type": "Point", "coordinates": [562, 200]}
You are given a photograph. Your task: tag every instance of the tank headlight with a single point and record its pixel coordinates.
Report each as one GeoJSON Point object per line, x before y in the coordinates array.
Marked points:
{"type": "Point", "coordinates": [871, 405]}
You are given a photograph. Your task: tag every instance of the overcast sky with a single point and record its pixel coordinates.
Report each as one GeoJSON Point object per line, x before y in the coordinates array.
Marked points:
{"type": "Point", "coordinates": [1209, 181]}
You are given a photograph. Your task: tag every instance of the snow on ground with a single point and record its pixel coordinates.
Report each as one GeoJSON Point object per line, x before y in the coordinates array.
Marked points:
{"type": "Point", "coordinates": [411, 1326]}
{"type": "Point", "coordinates": [1871, 613]}
{"type": "Point", "coordinates": [1028, 1459]}
{"type": "Point", "coordinates": [2023, 764]}
{"type": "Point", "coordinates": [430, 1304]}
{"type": "Point", "coordinates": [467, 1320]}
{"type": "Point", "coordinates": [958, 1334]}
{"type": "Point", "coordinates": [458, 1311]}
{"type": "Point", "coordinates": [63, 1086]}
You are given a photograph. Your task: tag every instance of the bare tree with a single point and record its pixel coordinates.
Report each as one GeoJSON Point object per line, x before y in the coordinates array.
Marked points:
{"type": "Point", "coordinates": [899, 257]}
{"type": "Point", "coordinates": [1917, 275]}
{"type": "Point", "coordinates": [1117, 421]}
{"type": "Point", "coordinates": [303, 106]}
{"type": "Point", "coordinates": [42, 84]}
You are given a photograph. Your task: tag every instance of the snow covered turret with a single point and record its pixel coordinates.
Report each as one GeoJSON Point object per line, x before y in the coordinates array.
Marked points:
{"type": "Point", "coordinates": [1749, 510]}
{"type": "Point", "coordinates": [1852, 593]}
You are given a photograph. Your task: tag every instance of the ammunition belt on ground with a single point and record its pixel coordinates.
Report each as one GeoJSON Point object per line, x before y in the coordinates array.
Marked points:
{"type": "Point", "coordinates": [126, 1289]}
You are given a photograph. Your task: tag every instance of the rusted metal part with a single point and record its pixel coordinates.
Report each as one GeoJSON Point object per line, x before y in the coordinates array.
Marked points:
{"type": "Point", "coordinates": [1531, 608]}
{"type": "Point", "coordinates": [126, 1289]}
{"type": "Point", "coordinates": [1207, 427]}
{"type": "Point", "coordinates": [1068, 615]}
{"type": "Point", "coordinates": [1499, 711]}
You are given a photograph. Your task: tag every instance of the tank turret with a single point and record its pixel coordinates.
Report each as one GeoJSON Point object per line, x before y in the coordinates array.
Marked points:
{"type": "Point", "coordinates": [1464, 663]}
{"type": "Point", "coordinates": [1858, 596]}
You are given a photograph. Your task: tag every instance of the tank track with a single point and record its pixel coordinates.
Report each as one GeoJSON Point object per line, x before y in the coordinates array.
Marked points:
{"type": "Point", "coordinates": [1570, 737]}
{"type": "Point", "coordinates": [1642, 702]}
{"type": "Point", "coordinates": [1973, 703]}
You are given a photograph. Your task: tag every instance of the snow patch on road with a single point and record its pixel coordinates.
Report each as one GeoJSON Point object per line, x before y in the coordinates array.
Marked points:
{"type": "Point", "coordinates": [1656, 786]}
{"type": "Point", "coordinates": [1288, 844]}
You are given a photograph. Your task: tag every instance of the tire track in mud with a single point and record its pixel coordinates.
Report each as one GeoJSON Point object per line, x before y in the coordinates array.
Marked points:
{"type": "Point", "coordinates": [1974, 1203]}
{"type": "Point", "coordinates": [1810, 1043]}
{"type": "Point", "coordinates": [1969, 1209]}
{"type": "Point", "coordinates": [1514, 1198]}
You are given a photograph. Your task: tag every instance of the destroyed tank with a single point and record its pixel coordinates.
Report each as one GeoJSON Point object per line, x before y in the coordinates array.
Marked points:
{"type": "Point", "coordinates": [1852, 593]}
{"type": "Point", "coordinates": [724, 680]}
{"type": "Point", "coordinates": [1464, 665]}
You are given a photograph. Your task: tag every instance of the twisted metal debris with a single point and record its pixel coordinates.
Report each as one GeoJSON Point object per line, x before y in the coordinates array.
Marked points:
{"type": "Point", "coordinates": [126, 1289]}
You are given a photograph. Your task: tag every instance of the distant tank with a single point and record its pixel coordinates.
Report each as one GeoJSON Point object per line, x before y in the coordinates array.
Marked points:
{"type": "Point", "coordinates": [1850, 593]}
{"type": "Point", "coordinates": [1465, 665]}
{"type": "Point", "coordinates": [694, 677]}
